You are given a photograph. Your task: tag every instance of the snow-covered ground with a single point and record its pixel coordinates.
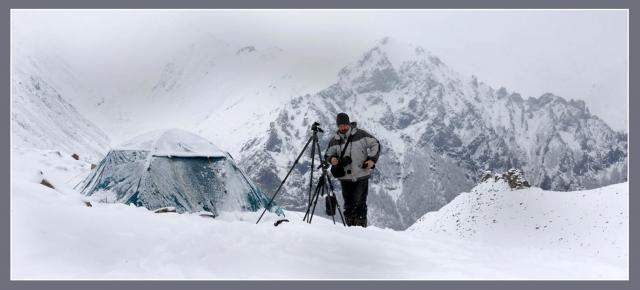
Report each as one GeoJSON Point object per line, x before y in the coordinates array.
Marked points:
{"type": "Point", "coordinates": [591, 222]}
{"type": "Point", "coordinates": [54, 235]}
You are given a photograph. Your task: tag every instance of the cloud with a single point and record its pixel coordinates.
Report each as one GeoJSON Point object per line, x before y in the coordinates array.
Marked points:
{"type": "Point", "coordinates": [566, 52]}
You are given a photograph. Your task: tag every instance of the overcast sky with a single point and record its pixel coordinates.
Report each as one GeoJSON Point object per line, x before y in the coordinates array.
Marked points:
{"type": "Point", "coordinates": [577, 54]}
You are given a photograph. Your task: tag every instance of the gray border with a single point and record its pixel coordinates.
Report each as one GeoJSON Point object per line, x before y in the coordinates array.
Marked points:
{"type": "Point", "coordinates": [5, 170]}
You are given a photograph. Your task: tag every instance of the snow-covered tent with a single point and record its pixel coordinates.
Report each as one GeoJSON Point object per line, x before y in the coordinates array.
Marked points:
{"type": "Point", "coordinates": [173, 168]}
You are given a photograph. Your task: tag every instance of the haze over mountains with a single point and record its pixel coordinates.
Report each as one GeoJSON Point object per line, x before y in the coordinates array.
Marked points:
{"type": "Point", "coordinates": [438, 128]}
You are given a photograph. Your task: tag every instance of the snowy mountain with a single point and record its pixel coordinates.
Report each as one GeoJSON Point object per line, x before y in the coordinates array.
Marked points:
{"type": "Point", "coordinates": [41, 116]}
{"type": "Point", "coordinates": [207, 86]}
{"type": "Point", "coordinates": [439, 130]}
{"type": "Point", "coordinates": [591, 221]}
{"type": "Point", "coordinates": [206, 83]}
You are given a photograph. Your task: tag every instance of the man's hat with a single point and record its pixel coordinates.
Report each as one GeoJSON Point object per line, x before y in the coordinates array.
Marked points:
{"type": "Point", "coordinates": [342, 119]}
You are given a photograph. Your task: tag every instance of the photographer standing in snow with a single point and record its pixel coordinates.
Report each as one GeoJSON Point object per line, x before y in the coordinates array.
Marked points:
{"type": "Point", "coordinates": [353, 153]}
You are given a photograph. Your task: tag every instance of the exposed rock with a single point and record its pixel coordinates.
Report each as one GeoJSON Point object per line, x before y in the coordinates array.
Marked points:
{"type": "Point", "coordinates": [47, 183]}
{"type": "Point", "coordinates": [514, 177]}
{"type": "Point", "coordinates": [208, 215]}
{"type": "Point", "coordinates": [165, 209]}
{"type": "Point", "coordinates": [485, 175]}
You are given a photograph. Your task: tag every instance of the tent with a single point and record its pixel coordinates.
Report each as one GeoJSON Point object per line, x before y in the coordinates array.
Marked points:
{"type": "Point", "coordinates": [173, 168]}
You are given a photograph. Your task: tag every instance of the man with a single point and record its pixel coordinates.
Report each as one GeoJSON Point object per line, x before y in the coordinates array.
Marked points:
{"type": "Point", "coordinates": [362, 151]}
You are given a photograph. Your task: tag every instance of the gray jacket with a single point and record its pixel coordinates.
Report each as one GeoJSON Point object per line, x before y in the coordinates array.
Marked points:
{"type": "Point", "coordinates": [363, 147]}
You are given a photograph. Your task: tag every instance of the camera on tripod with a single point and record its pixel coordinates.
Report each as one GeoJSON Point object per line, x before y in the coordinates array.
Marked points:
{"type": "Point", "coordinates": [321, 189]}
{"type": "Point", "coordinates": [315, 127]}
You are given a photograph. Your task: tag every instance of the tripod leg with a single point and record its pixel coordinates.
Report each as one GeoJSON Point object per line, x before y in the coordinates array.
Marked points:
{"type": "Point", "coordinates": [332, 192]}
{"type": "Point", "coordinates": [308, 211]}
{"type": "Point", "coordinates": [316, 201]}
{"type": "Point", "coordinates": [337, 202]}
{"type": "Point", "coordinates": [285, 179]}
{"type": "Point", "coordinates": [340, 211]}
{"type": "Point", "coordinates": [313, 152]}
{"type": "Point", "coordinates": [333, 217]}
{"type": "Point", "coordinates": [324, 193]}
{"type": "Point", "coordinates": [319, 151]}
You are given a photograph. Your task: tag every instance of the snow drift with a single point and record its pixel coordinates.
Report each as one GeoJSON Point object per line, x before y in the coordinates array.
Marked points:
{"type": "Point", "coordinates": [592, 222]}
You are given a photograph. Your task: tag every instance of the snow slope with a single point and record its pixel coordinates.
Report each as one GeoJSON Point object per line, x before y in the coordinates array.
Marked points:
{"type": "Point", "coordinates": [593, 222]}
{"type": "Point", "coordinates": [223, 93]}
{"type": "Point", "coordinates": [55, 236]}
{"type": "Point", "coordinates": [41, 115]}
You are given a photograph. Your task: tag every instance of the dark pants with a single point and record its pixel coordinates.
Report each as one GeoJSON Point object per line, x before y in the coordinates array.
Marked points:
{"type": "Point", "coordinates": [355, 201]}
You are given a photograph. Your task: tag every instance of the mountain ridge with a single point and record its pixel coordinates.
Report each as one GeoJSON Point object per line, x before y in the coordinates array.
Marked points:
{"type": "Point", "coordinates": [438, 131]}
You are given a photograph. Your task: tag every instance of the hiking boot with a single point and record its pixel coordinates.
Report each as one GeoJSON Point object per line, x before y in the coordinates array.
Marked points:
{"type": "Point", "coordinates": [360, 221]}
{"type": "Point", "coordinates": [350, 220]}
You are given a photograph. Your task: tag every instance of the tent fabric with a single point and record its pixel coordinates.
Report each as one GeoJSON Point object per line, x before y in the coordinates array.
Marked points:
{"type": "Point", "coordinates": [173, 143]}
{"type": "Point", "coordinates": [174, 168]}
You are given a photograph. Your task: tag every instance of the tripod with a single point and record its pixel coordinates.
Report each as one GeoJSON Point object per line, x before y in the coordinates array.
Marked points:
{"type": "Point", "coordinates": [323, 178]}
{"type": "Point", "coordinates": [321, 190]}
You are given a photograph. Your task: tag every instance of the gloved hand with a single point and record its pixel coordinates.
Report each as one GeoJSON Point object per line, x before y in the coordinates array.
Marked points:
{"type": "Point", "coordinates": [369, 164]}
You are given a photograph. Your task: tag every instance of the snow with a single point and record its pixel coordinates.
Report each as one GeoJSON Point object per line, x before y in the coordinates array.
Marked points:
{"type": "Point", "coordinates": [42, 115]}
{"type": "Point", "coordinates": [172, 142]}
{"type": "Point", "coordinates": [232, 100]}
{"type": "Point", "coordinates": [574, 235]}
{"type": "Point", "coordinates": [54, 235]}
{"type": "Point", "coordinates": [41, 118]}
{"type": "Point", "coordinates": [590, 222]}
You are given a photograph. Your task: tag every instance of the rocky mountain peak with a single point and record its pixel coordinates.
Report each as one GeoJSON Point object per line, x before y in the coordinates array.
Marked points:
{"type": "Point", "coordinates": [246, 49]}
{"type": "Point", "coordinates": [390, 64]}
{"type": "Point", "coordinates": [438, 129]}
